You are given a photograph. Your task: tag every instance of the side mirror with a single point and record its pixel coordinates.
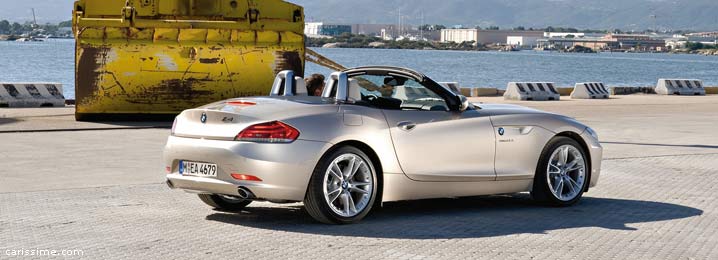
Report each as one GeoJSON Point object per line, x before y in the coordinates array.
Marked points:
{"type": "Point", "coordinates": [463, 103]}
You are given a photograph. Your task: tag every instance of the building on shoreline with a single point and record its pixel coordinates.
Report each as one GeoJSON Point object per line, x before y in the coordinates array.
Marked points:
{"type": "Point", "coordinates": [320, 29]}
{"type": "Point", "coordinates": [522, 41]}
{"type": "Point", "coordinates": [704, 38]}
{"type": "Point", "coordinates": [615, 42]}
{"type": "Point", "coordinates": [485, 36]}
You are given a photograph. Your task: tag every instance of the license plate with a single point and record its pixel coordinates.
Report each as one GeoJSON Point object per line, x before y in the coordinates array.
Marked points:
{"type": "Point", "coordinates": [197, 169]}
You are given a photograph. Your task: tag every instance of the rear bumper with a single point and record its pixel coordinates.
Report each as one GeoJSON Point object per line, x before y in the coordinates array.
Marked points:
{"type": "Point", "coordinates": [285, 169]}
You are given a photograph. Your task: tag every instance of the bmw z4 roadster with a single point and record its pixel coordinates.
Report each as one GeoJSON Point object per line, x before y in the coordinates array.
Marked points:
{"type": "Point", "coordinates": [376, 134]}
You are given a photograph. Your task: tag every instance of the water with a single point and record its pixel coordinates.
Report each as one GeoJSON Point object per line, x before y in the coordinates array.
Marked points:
{"type": "Point", "coordinates": [53, 61]}
{"type": "Point", "coordinates": [496, 69]}
{"type": "Point", "coordinates": [49, 61]}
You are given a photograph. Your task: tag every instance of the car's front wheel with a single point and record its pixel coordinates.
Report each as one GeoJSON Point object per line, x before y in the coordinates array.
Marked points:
{"type": "Point", "coordinates": [223, 202]}
{"type": "Point", "coordinates": [343, 187]}
{"type": "Point", "coordinates": [561, 175]}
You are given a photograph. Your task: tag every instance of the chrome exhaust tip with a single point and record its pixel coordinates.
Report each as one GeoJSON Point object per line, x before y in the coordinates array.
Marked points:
{"type": "Point", "coordinates": [245, 193]}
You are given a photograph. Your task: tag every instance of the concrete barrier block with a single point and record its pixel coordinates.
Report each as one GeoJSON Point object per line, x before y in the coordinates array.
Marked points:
{"type": "Point", "coordinates": [689, 87]}
{"type": "Point", "coordinates": [31, 95]}
{"type": "Point", "coordinates": [590, 90]}
{"type": "Point", "coordinates": [531, 91]}
{"type": "Point", "coordinates": [487, 92]}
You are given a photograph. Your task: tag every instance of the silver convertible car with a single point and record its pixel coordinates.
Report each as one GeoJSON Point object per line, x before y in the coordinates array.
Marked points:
{"type": "Point", "coordinates": [376, 134]}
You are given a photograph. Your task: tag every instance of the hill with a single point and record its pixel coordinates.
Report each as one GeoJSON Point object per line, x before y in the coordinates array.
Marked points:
{"type": "Point", "coordinates": [584, 14]}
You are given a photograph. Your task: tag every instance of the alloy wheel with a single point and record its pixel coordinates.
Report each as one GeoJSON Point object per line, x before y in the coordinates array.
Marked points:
{"type": "Point", "coordinates": [348, 185]}
{"type": "Point", "coordinates": [566, 172]}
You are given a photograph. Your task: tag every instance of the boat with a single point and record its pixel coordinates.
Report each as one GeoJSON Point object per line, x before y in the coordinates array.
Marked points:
{"type": "Point", "coordinates": [28, 39]}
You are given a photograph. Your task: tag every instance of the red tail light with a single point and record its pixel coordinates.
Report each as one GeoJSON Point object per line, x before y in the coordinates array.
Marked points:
{"type": "Point", "coordinates": [272, 132]}
{"type": "Point", "coordinates": [241, 103]}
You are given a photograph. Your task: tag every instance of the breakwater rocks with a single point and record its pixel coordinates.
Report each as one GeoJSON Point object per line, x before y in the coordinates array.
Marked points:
{"type": "Point", "coordinates": [711, 52]}
{"type": "Point", "coordinates": [707, 52]}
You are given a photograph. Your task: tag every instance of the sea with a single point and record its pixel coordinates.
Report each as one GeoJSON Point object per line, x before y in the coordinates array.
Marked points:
{"type": "Point", "coordinates": [53, 61]}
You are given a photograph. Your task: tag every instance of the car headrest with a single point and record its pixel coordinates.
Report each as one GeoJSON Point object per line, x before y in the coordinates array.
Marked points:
{"type": "Point", "coordinates": [353, 91]}
{"type": "Point", "coordinates": [300, 86]}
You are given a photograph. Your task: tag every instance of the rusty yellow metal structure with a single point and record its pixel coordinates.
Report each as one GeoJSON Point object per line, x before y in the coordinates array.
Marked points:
{"type": "Point", "coordinates": [152, 58]}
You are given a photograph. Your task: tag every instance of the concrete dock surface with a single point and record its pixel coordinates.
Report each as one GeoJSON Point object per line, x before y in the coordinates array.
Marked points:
{"type": "Point", "coordinates": [99, 188]}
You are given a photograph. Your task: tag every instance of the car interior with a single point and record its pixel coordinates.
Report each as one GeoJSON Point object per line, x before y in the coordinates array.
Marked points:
{"type": "Point", "coordinates": [394, 92]}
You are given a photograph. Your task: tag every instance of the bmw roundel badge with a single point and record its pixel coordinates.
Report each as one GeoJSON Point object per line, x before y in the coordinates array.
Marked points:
{"type": "Point", "coordinates": [203, 118]}
{"type": "Point", "coordinates": [501, 131]}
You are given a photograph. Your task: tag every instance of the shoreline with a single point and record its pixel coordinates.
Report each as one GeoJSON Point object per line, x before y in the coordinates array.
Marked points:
{"type": "Point", "coordinates": [702, 52]}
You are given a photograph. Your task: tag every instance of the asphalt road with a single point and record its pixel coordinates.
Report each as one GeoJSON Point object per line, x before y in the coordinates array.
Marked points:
{"type": "Point", "coordinates": [101, 192]}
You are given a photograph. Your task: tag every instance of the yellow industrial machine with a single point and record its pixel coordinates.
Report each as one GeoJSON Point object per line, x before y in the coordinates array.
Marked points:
{"type": "Point", "coordinates": [139, 59]}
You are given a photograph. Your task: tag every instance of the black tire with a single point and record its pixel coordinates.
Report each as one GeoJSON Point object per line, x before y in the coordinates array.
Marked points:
{"type": "Point", "coordinates": [222, 204]}
{"type": "Point", "coordinates": [541, 191]}
{"type": "Point", "coordinates": [315, 203]}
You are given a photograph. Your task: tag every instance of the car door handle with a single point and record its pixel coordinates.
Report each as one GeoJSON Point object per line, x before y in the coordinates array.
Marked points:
{"type": "Point", "coordinates": [406, 125]}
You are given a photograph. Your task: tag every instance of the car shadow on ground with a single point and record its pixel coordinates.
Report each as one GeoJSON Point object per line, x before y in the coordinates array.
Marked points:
{"type": "Point", "coordinates": [5, 120]}
{"type": "Point", "coordinates": [466, 217]}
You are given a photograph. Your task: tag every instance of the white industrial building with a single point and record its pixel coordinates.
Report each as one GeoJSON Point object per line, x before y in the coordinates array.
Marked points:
{"type": "Point", "coordinates": [459, 35]}
{"type": "Point", "coordinates": [563, 34]}
{"type": "Point", "coordinates": [484, 36]}
{"type": "Point", "coordinates": [312, 28]}
{"type": "Point", "coordinates": [522, 41]}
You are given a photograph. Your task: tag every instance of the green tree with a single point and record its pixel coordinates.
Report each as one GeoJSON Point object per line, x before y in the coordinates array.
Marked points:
{"type": "Point", "coordinates": [65, 24]}
{"type": "Point", "coordinates": [4, 26]}
{"type": "Point", "coordinates": [520, 28]}
{"type": "Point", "coordinates": [695, 45]}
{"type": "Point", "coordinates": [494, 28]}
{"type": "Point", "coordinates": [16, 28]}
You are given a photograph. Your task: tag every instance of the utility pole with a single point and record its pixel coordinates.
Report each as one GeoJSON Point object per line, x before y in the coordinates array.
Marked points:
{"type": "Point", "coordinates": [421, 27]}
{"type": "Point", "coordinates": [34, 21]}
{"type": "Point", "coordinates": [654, 17]}
{"type": "Point", "coordinates": [399, 29]}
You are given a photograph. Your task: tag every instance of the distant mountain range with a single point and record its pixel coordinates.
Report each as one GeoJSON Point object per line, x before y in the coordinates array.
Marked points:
{"type": "Point", "coordinates": [583, 14]}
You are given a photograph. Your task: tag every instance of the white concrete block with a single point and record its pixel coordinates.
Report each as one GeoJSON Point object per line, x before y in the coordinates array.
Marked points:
{"type": "Point", "coordinates": [531, 91]}
{"type": "Point", "coordinates": [590, 90]}
{"type": "Point", "coordinates": [31, 95]}
{"type": "Point", "coordinates": [690, 87]}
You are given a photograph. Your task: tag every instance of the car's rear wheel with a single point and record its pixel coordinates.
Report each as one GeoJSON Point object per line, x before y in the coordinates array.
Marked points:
{"type": "Point", "coordinates": [343, 187]}
{"type": "Point", "coordinates": [224, 202]}
{"type": "Point", "coordinates": [561, 175]}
